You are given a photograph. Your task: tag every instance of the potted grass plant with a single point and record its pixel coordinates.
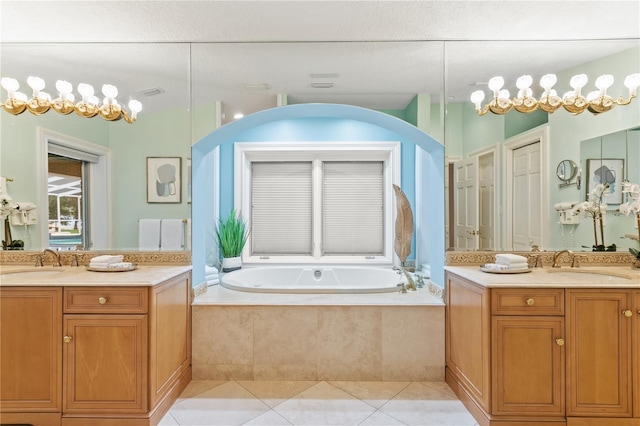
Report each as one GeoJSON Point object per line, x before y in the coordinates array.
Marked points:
{"type": "Point", "coordinates": [231, 234]}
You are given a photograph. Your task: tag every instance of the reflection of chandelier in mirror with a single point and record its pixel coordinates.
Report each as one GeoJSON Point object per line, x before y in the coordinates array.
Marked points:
{"type": "Point", "coordinates": [573, 101]}
{"type": "Point", "coordinates": [88, 107]}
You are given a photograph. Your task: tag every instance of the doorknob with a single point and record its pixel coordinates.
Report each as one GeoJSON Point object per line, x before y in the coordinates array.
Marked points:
{"type": "Point", "coordinates": [474, 232]}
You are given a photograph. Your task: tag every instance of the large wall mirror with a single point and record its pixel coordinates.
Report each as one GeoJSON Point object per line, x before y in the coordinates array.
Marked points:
{"type": "Point", "coordinates": [187, 90]}
{"type": "Point", "coordinates": [502, 182]}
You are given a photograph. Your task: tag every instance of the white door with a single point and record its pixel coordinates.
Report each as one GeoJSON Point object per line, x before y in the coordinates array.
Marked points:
{"type": "Point", "coordinates": [466, 204]}
{"type": "Point", "coordinates": [486, 201]}
{"type": "Point", "coordinates": [526, 196]}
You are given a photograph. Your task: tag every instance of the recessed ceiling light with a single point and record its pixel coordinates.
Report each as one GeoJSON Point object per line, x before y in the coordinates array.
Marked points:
{"type": "Point", "coordinates": [317, 85]}
{"type": "Point", "coordinates": [256, 86]}
{"type": "Point", "coordinates": [238, 116]}
{"type": "Point", "coordinates": [152, 91]}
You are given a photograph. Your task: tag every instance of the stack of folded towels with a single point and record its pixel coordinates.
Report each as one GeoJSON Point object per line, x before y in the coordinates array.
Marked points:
{"type": "Point", "coordinates": [211, 275]}
{"type": "Point", "coordinates": [508, 262]}
{"type": "Point", "coordinates": [109, 261]}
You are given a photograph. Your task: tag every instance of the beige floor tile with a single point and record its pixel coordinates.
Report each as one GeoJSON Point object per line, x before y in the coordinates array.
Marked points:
{"type": "Point", "coordinates": [270, 418]}
{"type": "Point", "coordinates": [274, 393]}
{"type": "Point", "coordinates": [196, 387]}
{"type": "Point", "coordinates": [418, 404]}
{"type": "Point", "coordinates": [381, 419]}
{"type": "Point", "coordinates": [324, 404]}
{"type": "Point", "coordinates": [168, 420]}
{"type": "Point", "coordinates": [442, 387]}
{"type": "Point", "coordinates": [373, 393]}
{"type": "Point", "coordinates": [227, 404]}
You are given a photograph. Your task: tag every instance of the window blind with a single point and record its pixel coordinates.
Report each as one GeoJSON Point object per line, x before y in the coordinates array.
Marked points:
{"type": "Point", "coordinates": [76, 154]}
{"type": "Point", "coordinates": [281, 210]}
{"type": "Point", "coordinates": [353, 208]}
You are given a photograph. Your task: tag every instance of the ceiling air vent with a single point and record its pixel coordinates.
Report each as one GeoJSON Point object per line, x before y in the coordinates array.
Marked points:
{"type": "Point", "coordinates": [322, 85]}
{"type": "Point", "coordinates": [153, 91]}
{"type": "Point", "coordinates": [324, 75]}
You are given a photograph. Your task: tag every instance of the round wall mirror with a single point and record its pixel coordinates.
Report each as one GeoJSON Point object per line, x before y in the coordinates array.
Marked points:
{"type": "Point", "coordinates": [566, 170]}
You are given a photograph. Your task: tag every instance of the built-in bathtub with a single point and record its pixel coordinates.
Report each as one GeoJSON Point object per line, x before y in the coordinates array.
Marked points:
{"type": "Point", "coordinates": [313, 335]}
{"type": "Point", "coordinates": [310, 279]}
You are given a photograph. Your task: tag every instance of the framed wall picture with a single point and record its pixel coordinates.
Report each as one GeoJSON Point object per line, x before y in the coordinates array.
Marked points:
{"type": "Point", "coordinates": [606, 170]}
{"type": "Point", "coordinates": [164, 179]}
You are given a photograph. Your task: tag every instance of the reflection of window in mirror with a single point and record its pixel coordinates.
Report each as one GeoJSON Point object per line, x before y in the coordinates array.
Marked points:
{"type": "Point", "coordinates": [66, 212]}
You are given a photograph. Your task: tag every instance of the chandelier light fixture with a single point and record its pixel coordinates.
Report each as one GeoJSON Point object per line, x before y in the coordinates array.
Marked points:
{"type": "Point", "coordinates": [89, 106]}
{"type": "Point", "coordinates": [573, 101]}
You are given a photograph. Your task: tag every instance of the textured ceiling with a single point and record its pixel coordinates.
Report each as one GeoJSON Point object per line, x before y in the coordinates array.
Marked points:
{"type": "Point", "coordinates": [383, 52]}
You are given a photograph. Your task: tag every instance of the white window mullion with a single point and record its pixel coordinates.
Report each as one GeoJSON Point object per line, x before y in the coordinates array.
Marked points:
{"type": "Point", "coordinates": [317, 209]}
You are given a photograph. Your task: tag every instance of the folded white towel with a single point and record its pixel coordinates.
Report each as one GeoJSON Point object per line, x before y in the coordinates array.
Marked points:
{"type": "Point", "coordinates": [121, 265]}
{"type": "Point", "coordinates": [511, 258]}
{"type": "Point", "coordinates": [495, 267]}
{"type": "Point", "coordinates": [213, 282]}
{"type": "Point", "coordinates": [514, 265]}
{"type": "Point", "coordinates": [211, 277]}
{"type": "Point", "coordinates": [210, 269]}
{"type": "Point", "coordinates": [107, 258]}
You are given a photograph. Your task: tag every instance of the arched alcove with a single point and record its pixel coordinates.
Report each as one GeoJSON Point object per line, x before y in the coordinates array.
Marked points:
{"type": "Point", "coordinates": [322, 122]}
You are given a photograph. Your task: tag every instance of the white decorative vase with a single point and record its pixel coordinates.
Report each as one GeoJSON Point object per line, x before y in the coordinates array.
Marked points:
{"type": "Point", "coordinates": [231, 263]}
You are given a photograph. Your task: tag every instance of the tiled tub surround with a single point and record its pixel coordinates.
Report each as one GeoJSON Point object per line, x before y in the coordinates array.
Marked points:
{"type": "Point", "coordinates": [367, 337]}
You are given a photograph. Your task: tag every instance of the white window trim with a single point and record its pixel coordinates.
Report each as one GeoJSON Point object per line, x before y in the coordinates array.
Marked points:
{"type": "Point", "coordinates": [388, 152]}
{"type": "Point", "coordinates": [99, 184]}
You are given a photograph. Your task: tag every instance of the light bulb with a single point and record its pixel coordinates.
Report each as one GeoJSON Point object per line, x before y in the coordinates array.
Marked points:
{"type": "Point", "coordinates": [569, 94]}
{"type": "Point", "coordinates": [632, 82]}
{"type": "Point", "coordinates": [93, 100]}
{"type": "Point", "coordinates": [495, 84]}
{"type": "Point", "coordinates": [547, 82]}
{"type": "Point", "coordinates": [504, 94]}
{"type": "Point", "coordinates": [525, 93]}
{"type": "Point", "coordinates": [64, 88]}
{"type": "Point", "coordinates": [603, 83]}
{"type": "Point", "coordinates": [86, 90]}
{"type": "Point", "coordinates": [10, 85]}
{"type": "Point", "coordinates": [20, 96]}
{"type": "Point", "coordinates": [524, 82]}
{"type": "Point", "coordinates": [578, 82]}
{"type": "Point", "coordinates": [36, 83]}
{"type": "Point", "coordinates": [477, 97]}
{"type": "Point", "coordinates": [110, 92]}
{"type": "Point", "coordinates": [135, 107]}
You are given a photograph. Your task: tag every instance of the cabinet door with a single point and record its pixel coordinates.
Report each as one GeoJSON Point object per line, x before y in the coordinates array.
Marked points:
{"type": "Point", "coordinates": [598, 353]}
{"type": "Point", "coordinates": [636, 354]}
{"type": "Point", "coordinates": [30, 348]}
{"type": "Point", "coordinates": [528, 365]}
{"type": "Point", "coordinates": [105, 361]}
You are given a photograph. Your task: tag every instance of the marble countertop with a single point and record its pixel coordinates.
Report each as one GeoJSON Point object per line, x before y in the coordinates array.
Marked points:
{"type": "Point", "coordinates": [565, 277]}
{"type": "Point", "coordinates": [143, 275]}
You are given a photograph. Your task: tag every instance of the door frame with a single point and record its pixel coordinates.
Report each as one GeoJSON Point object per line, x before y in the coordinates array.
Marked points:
{"type": "Point", "coordinates": [495, 150]}
{"type": "Point", "coordinates": [538, 134]}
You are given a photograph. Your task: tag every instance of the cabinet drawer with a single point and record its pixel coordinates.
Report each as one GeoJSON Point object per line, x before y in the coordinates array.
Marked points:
{"type": "Point", "coordinates": [100, 300]}
{"type": "Point", "coordinates": [523, 301]}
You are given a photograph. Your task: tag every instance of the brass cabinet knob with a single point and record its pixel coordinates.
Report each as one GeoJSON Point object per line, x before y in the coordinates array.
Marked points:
{"type": "Point", "coordinates": [627, 313]}
{"type": "Point", "coordinates": [530, 301]}
{"type": "Point", "coordinates": [560, 342]}
{"type": "Point", "coordinates": [102, 300]}
{"type": "Point", "coordinates": [67, 339]}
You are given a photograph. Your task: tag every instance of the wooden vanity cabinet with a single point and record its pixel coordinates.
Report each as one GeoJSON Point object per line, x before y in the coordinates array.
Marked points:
{"type": "Point", "coordinates": [551, 356]}
{"type": "Point", "coordinates": [120, 355]}
{"type": "Point", "coordinates": [504, 352]}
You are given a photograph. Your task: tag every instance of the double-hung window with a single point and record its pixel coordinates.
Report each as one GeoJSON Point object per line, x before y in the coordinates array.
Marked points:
{"type": "Point", "coordinates": [324, 202]}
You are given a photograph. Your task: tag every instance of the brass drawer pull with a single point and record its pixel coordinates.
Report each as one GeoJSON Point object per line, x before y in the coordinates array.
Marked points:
{"type": "Point", "coordinates": [102, 300]}
{"type": "Point", "coordinates": [627, 313]}
{"type": "Point", "coordinates": [67, 339]}
{"type": "Point", "coordinates": [530, 301]}
{"type": "Point", "coordinates": [560, 342]}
